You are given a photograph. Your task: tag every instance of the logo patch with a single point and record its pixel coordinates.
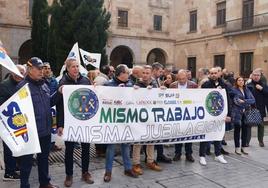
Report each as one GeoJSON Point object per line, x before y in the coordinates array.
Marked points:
{"type": "Point", "coordinates": [16, 120]}
{"type": "Point", "coordinates": [214, 103]}
{"type": "Point", "coordinates": [83, 104]}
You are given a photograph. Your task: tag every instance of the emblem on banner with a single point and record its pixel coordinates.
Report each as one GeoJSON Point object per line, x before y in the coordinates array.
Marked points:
{"type": "Point", "coordinates": [214, 103]}
{"type": "Point", "coordinates": [83, 104]}
{"type": "Point", "coordinates": [16, 120]}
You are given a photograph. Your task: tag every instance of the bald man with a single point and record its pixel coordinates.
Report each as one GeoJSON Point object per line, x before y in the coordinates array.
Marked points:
{"type": "Point", "coordinates": [214, 82]}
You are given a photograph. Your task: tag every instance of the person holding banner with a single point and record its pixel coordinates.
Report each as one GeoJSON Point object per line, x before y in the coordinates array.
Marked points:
{"type": "Point", "coordinates": [157, 72]}
{"type": "Point", "coordinates": [146, 82]}
{"type": "Point", "coordinates": [120, 79]}
{"type": "Point", "coordinates": [40, 94]}
{"type": "Point", "coordinates": [183, 83]}
{"type": "Point", "coordinates": [214, 82]}
{"type": "Point", "coordinates": [8, 88]}
{"type": "Point", "coordinates": [72, 76]}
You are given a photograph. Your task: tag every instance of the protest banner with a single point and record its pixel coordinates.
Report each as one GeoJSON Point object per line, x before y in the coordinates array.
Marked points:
{"type": "Point", "coordinates": [18, 126]}
{"type": "Point", "coordinates": [126, 115]}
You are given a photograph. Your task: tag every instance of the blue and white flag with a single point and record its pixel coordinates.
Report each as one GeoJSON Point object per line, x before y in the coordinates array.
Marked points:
{"type": "Point", "coordinates": [6, 61]}
{"type": "Point", "coordinates": [17, 124]}
{"type": "Point", "coordinates": [74, 53]}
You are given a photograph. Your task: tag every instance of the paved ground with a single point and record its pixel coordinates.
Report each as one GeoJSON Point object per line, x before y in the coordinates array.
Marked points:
{"type": "Point", "coordinates": [241, 171]}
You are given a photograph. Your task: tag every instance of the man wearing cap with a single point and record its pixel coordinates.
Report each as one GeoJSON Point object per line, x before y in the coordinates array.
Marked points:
{"type": "Point", "coordinates": [40, 94]}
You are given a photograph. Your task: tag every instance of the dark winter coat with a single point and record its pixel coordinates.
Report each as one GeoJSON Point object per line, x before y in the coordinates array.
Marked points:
{"type": "Point", "coordinates": [212, 84]}
{"type": "Point", "coordinates": [142, 84]}
{"type": "Point", "coordinates": [40, 94]}
{"type": "Point", "coordinates": [52, 84]}
{"type": "Point", "coordinates": [259, 95]}
{"type": "Point", "coordinates": [239, 108]}
{"type": "Point", "coordinates": [114, 82]}
{"type": "Point", "coordinates": [67, 80]}
{"type": "Point", "coordinates": [7, 88]}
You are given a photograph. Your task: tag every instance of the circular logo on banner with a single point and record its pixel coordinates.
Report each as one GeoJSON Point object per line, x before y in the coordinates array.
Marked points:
{"type": "Point", "coordinates": [83, 104]}
{"type": "Point", "coordinates": [214, 103]}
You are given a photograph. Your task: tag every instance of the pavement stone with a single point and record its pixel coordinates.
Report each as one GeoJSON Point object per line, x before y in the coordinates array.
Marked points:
{"type": "Point", "coordinates": [241, 171]}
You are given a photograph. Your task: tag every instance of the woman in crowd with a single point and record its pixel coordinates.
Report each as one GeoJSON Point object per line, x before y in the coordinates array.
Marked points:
{"type": "Point", "coordinates": [170, 78]}
{"type": "Point", "coordinates": [242, 100]}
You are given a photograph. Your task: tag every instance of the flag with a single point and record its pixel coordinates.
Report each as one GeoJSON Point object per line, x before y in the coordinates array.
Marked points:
{"type": "Point", "coordinates": [74, 53]}
{"type": "Point", "coordinates": [6, 61]}
{"type": "Point", "coordinates": [17, 124]}
{"type": "Point", "coordinates": [91, 58]}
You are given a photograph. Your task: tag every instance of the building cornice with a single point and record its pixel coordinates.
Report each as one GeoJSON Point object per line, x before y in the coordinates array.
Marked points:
{"type": "Point", "coordinates": [15, 26]}
{"type": "Point", "coordinates": [143, 38]}
{"type": "Point", "coordinates": [200, 39]}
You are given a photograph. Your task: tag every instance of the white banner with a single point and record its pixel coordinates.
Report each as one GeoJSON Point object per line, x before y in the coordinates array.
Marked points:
{"type": "Point", "coordinates": [91, 58]}
{"type": "Point", "coordinates": [17, 124]}
{"type": "Point", "coordinates": [119, 115]}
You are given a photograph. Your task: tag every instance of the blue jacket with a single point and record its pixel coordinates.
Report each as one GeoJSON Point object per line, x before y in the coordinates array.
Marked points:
{"type": "Point", "coordinates": [114, 82]}
{"type": "Point", "coordinates": [40, 94]}
{"type": "Point", "coordinates": [238, 108]}
{"type": "Point", "coordinates": [52, 84]}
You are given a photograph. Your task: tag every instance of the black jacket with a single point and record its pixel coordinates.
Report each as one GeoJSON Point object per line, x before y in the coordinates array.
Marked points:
{"type": "Point", "coordinates": [220, 84]}
{"type": "Point", "coordinates": [67, 80]}
{"type": "Point", "coordinates": [114, 82]}
{"type": "Point", "coordinates": [7, 88]}
{"type": "Point", "coordinates": [259, 95]}
{"type": "Point", "coordinates": [144, 85]}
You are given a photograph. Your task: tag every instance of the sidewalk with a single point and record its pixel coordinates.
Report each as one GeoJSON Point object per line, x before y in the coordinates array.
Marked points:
{"type": "Point", "coordinates": [241, 171]}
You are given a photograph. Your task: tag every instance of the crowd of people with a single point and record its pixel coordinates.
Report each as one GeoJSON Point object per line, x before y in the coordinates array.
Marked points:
{"type": "Point", "coordinates": [242, 94]}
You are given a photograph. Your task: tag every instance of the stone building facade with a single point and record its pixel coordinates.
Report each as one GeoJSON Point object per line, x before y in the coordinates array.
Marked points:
{"type": "Point", "coordinates": [177, 33]}
{"type": "Point", "coordinates": [15, 28]}
{"type": "Point", "coordinates": [193, 33]}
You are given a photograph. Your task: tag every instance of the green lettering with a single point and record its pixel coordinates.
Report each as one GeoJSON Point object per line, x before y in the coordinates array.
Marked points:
{"type": "Point", "coordinates": [104, 117]}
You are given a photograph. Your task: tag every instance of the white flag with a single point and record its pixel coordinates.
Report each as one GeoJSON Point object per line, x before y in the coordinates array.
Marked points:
{"type": "Point", "coordinates": [74, 53]}
{"type": "Point", "coordinates": [6, 61]}
{"type": "Point", "coordinates": [17, 124]}
{"type": "Point", "coordinates": [91, 58]}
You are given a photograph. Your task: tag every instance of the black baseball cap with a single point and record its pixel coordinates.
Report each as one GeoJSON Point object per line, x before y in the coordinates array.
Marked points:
{"type": "Point", "coordinates": [35, 62]}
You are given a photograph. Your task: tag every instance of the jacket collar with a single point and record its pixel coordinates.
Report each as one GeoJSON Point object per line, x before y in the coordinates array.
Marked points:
{"type": "Point", "coordinates": [35, 82]}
